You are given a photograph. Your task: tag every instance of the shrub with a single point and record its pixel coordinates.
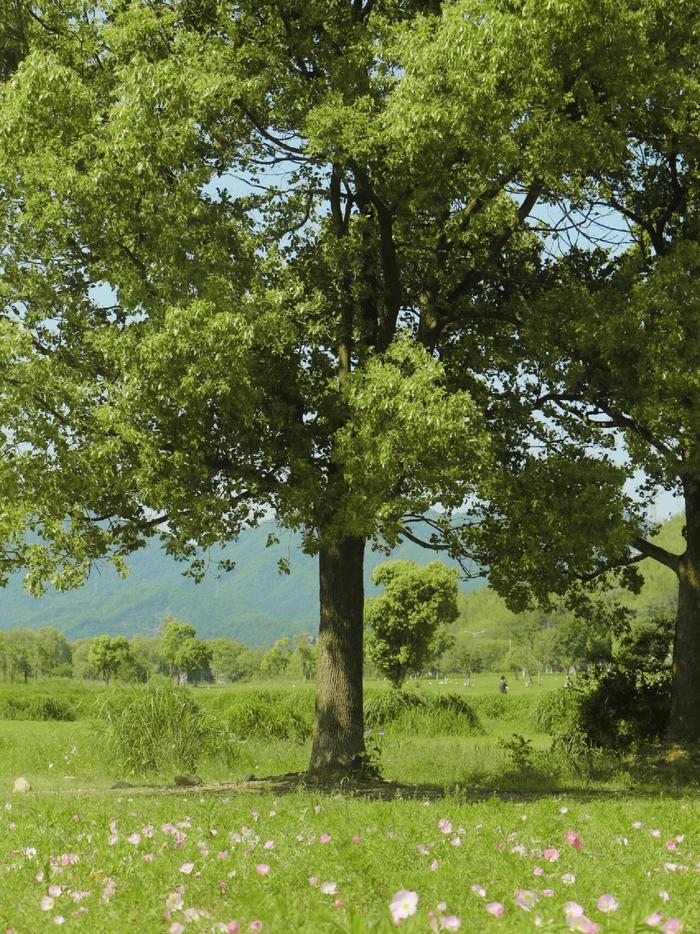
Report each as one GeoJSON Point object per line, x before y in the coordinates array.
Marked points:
{"type": "Point", "coordinates": [160, 728]}
{"type": "Point", "coordinates": [35, 707]}
{"type": "Point", "coordinates": [554, 712]}
{"type": "Point", "coordinates": [386, 707]}
{"type": "Point", "coordinates": [629, 700]}
{"type": "Point", "coordinates": [409, 713]}
{"type": "Point", "coordinates": [503, 707]}
{"type": "Point", "coordinates": [270, 715]}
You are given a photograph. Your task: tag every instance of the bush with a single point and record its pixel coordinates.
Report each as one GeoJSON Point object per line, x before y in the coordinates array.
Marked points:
{"type": "Point", "coordinates": [270, 715]}
{"type": "Point", "coordinates": [35, 707]}
{"type": "Point", "coordinates": [554, 712]}
{"type": "Point", "coordinates": [503, 707]}
{"type": "Point", "coordinates": [409, 713]}
{"type": "Point", "coordinates": [628, 701]}
{"type": "Point", "coordinates": [386, 707]}
{"type": "Point", "coordinates": [160, 728]}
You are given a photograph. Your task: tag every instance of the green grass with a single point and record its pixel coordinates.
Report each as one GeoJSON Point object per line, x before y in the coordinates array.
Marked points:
{"type": "Point", "coordinates": [375, 849]}
{"type": "Point", "coordinates": [503, 814]}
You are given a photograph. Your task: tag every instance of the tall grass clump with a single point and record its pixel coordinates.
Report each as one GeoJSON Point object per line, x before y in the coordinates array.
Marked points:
{"type": "Point", "coordinates": [35, 707]}
{"type": "Point", "coordinates": [160, 728]}
{"type": "Point", "coordinates": [270, 715]}
{"type": "Point", "coordinates": [409, 713]}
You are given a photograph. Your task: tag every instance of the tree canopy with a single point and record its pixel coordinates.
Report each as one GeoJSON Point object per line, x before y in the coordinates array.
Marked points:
{"type": "Point", "coordinates": [271, 256]}
{"type": "Point", "coordinates": [407, 621]}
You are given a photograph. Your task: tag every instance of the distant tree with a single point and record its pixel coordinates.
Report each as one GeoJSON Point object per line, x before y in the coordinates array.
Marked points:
{"type": "Point", "coordinates": [21, 653]}
{"type": "Point", "coordinates": [148, 653]}
{"type": "Point", "coordinates": [276, 659]}
{"type": "Point", "coordinates": [106, 654]}
{"type": "Point", "coordinates": [305, 657]}
{"type": "Point", "coordinates": [52, 650]}
{"type": "Point", "coordinates": [175, 633]}
{"type": "Point", "coordinates": [465, 657]}
{"type": "Point", "coordinates": [407, 622]}
{"type": "Point", "coordinates": [249, 663]}
{"type": "Point", "coordinates": [225, 661]}
{"type": "Point", "coordinates": [192, 659]}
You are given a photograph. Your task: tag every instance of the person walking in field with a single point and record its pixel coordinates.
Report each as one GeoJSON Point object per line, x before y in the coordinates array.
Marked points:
{"type": "Point", "coordinates": [503, 685]}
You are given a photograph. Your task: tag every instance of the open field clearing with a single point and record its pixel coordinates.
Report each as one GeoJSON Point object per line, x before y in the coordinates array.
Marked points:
{"type": "Point", "coordinates": [487, 833]}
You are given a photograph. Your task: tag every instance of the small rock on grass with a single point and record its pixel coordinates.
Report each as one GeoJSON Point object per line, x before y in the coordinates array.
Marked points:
{"type": "Point", "coordinates": [22, 785]}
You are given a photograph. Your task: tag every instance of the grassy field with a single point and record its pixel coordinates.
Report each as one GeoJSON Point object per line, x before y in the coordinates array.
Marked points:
{"type": "Point", "coordinates": [516, 841]}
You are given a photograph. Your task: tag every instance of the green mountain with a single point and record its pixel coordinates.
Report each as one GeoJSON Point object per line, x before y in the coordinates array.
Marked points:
{"type": "Point", "coordinates": [252, 604]}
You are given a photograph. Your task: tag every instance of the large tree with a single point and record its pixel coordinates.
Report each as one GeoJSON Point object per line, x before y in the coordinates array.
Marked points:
{"type": "Point", "coordinates": [187, 346]}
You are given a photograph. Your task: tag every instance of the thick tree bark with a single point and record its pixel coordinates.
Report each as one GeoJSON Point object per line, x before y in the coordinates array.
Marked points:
{"type": "Point", "coordinates": [338, 743]}
{"type": "Point", "coordinates": [684, 722]}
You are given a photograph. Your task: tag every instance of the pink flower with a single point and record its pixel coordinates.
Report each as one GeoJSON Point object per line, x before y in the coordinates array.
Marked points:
{"type": "Point", "coordinates": [450, 923]}
{"type": "Point", "coordinates": [109, 889]}
{"type": "Point", "coordinates": [46, 903]}
{"type": "Point", "coordinates": [356, 838]}
{"type": "Point", "coordinates": [325, 838]}
{"type": "Point", "coordinates": [445, 825]}
{"type": "Point", "coordinates": [573, 838]}
{"type": "Point", "coordinates": [187, 868]}
{"type": "Point", "coordinates": [262, 869]}
{"type": "Point", "coordinates": [663, 895]}
{"type": "Point", "coordinates": [538, 871]}
{"type": "Point", "coordinates": [577, 920]}
{"type": "Point", "coordinates": [673, 925]}
{"type": "Point", "coordinates": [255, 925]}
{"type": "Point", "coordinates": [313, 880]}
{"type": "Point", "coordinates": [479, 889]}
{"type": "Point", "coordinates": [637, 825]}
{"type": "Point", "coordinates": [403, 905]}
{"type": "Point", "coordinates": [496, 909]}
{"type": "Point", "coordinates": [59, 919]}
{"type": "Point", "coordinates": [548, 893]}
{"type": "Point", "coordinates": [653, 919]}
{"type": "Point", "coordinates": [233, 927]}
{"type": "Point", "coordinates": [526, 899]}
{"type": "Point", "coordinates": [551, 854]}
{"type": "Point", "coordinates": [174, 901]}
{"type": "Point", "coordinates": [671, 845]}
{"type": "Point", "coordinates": [176, 928]}
{"type": "Point", "coordinates": [134, 839]}
{"type": "Point", "coordinates": [434, 866]}
{"type": "Point", "coordinates": [55, 890]}
{"type": "Point", "coordinates": [607, 903]}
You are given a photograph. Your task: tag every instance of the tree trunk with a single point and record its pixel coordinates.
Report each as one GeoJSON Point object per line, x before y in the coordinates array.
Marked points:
{"type": "Point", "coordinates": [684, 722]}
{"type": "Point", "coordinates": [338, 743]}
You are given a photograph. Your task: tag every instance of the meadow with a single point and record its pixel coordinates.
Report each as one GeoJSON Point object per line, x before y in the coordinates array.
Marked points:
{"type": "Point", "coordinates": [479, 831]}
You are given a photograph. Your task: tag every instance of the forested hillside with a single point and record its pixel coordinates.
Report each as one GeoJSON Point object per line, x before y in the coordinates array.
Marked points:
{"type": "Point", "coordinates": [254, 603]}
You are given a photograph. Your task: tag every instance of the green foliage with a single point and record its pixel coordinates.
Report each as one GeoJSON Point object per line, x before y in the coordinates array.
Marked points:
{"type": "Point", "coordinates": [407, 623]}
{"type": "Point", "coordinates": [159, 729]}
{"type": "Point", "coordinates": [35, 707]}
{"type": "Point", "coordinates": [193, 657]}
{"type": "Point", "coordinates": [625, 702]}
{"type": "Point", "coordinates": [385, 707]}
{"type": "Point", "coordinates": [107, 654]}
{"type": "Point", "coordinates": [269, 715]}
{"type": "Point", "coordinates": [406, 713]}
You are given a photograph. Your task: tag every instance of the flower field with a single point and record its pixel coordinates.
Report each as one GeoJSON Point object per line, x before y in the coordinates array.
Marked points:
{"type": "Point", "coordinates": [303, 862]}
{"type": "Point", "coordinates": [495, 837]}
